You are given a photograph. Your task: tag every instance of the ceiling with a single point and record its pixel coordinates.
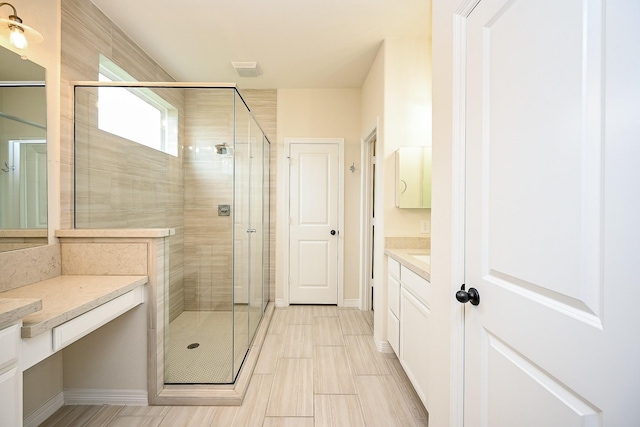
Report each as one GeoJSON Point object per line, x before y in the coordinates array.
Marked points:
{"type": "Point", "coordinates": [298, 44]}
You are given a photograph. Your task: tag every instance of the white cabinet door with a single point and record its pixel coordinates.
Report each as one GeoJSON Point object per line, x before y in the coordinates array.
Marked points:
{"type": "Point", "coordinates": [10, 377]}
{"type": "Point", "coordinates": [393, 332]}
{"type": "Point", "coordinates": [414, 342]}
{"type": "Point", "coordinates": [11, 401]}
{"type": "Point", "coordinates": [393, 314]}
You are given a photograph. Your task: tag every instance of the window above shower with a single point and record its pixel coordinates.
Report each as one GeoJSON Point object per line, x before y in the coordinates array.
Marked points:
{"type": "Point", "coordinates": [137, 114]}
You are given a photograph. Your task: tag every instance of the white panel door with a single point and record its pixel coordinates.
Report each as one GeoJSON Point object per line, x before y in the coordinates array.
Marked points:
{"type": "Point", "coordinates": [313, 230]}
{"type": "Point", "coordinates": [552, 196]}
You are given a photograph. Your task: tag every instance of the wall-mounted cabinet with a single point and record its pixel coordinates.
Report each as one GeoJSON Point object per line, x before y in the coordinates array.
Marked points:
{"type": "Point", "coordinates": [413, 177]}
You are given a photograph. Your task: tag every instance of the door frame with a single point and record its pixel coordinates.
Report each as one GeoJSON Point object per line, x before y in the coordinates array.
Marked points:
{"type": "Point", "coordinates": [285, 204]}
{"type": "Point", "coordinates": [458, 189]}
{"type": "Point", "coordinates": [366, 222]}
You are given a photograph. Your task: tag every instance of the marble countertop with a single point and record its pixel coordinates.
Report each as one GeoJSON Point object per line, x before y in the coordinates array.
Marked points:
{"type": "Point", "coordinates": [65, 297]}
{"type": "Point", "coordinates": [14, 309]}
{"type": "Point", "coordinates": [126, 232]}
{"type": "Point", "coordinates": [405, 257]}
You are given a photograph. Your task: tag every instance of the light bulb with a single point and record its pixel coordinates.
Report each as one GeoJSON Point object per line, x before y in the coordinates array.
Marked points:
{"type": "Point", "coordinates": [17, 37]}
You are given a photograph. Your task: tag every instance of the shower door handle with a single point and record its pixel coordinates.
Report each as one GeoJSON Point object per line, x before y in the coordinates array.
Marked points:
{"type": "Point", "coordinates": [251, 230]}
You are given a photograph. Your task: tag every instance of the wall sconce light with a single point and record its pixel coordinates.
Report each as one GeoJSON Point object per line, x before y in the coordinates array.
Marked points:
{"type": "Point", "coordinates": [20, 35]}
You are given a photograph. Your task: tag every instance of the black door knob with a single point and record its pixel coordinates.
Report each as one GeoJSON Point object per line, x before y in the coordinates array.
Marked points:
{"type": "Point", "coordinates": [333, 232]}
{"type": "Point", "coordinates": [472, 296]}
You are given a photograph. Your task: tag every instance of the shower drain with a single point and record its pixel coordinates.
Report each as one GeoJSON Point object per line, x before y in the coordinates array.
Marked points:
{"type": "Point", "coordinates": [194, 345]}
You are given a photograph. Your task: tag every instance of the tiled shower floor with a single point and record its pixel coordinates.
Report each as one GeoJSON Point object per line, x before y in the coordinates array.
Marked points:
{"type": "Point", "coordinates": [211, 361]}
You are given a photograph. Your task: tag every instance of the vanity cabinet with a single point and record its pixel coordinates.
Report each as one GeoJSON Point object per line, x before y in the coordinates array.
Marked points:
{"type": "Point", "coordinates": [414, 342]}
{"type": "Point", "coordinates": [10, 377]}
{"type": "Point", "coordinates": [408, 323]}
{"type": "Point", "coordinates": [393, 302]}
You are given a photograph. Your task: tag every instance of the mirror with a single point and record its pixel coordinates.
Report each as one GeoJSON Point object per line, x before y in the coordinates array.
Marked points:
{"type": "Point", "coordinates": [413, 177]}
{"type": "Point", "coordinates": [23, 153]}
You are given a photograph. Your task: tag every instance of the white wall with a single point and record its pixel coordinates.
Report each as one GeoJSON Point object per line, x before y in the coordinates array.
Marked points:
{"type": "Point", "coordinates": [444, 386]}
{"type": "Point", "coordinates": [323, 113]}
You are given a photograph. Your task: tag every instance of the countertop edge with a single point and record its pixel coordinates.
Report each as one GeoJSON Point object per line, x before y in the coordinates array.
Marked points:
{"type": "Point", "coordinates": [20, 307]}
{"type": "Point", "coordinates": [46, 321]}
{"type": "Point", "coordinates": [405, 257]}
{"type": "Point", "coordinates": [30, 331]}
{"type": "Point", "coordinates": [117, 233]}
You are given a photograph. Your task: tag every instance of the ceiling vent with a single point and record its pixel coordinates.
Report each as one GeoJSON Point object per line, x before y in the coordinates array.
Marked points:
{"type": "Point", "coordinates": [246, 69]}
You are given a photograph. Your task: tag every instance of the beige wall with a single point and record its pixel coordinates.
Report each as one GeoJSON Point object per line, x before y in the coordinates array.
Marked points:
{"type": "Point", "coordinates": [327, 113]}
{"type": "Point", "coordinates": [372, 96]}
{"type": "Point", "coordinates": [397, 94]}
{"type": "Point", "coordinates": [407, 121]}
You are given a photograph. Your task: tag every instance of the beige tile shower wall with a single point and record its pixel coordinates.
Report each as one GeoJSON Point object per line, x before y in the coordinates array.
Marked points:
{"type": "Point", "coordinates": [208, 183]}
{"type": "Point", "coordinates": [208, 240]}
{"type": "Point", "coordinates": [263, 104]}
{"type": "Point", "coordinates": [131, 186]}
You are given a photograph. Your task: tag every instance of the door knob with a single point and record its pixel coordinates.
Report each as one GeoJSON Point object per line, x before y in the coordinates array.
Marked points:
{"type": "Point", "coordinates": [472, 296]}
{"type": "Point", "coordinates": [333, 232]}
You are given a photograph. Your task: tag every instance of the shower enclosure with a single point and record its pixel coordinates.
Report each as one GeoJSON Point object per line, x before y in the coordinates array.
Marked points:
{"type": "Point", "coordinates": [194, 159]}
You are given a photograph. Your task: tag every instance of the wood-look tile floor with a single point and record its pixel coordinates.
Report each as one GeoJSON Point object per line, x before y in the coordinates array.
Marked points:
{"type": "Point", "coordinates": [318, 367]}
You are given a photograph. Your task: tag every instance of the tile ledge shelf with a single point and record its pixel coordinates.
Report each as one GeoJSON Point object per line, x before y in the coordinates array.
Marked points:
{"type": "Point", "coordinates": [117, 233]}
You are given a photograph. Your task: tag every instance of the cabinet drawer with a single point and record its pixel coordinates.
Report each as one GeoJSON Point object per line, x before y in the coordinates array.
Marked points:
{"type": "Point", "coordinates": [393, 332]}
{"type": "Point", "coordinates": [80, 326]}
{"type": "Point", "coordinates": [419, 287]}
{"type": "Point", "coordinates": [9, 345]}
{"type": "Point", "coordinates": [394, 268]}
{"type": "Point", "coordinates": [393, 296]}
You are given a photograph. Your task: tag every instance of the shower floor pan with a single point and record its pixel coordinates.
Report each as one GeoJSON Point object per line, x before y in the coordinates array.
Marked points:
{"type": "Point", "coordinates": [200, 347]}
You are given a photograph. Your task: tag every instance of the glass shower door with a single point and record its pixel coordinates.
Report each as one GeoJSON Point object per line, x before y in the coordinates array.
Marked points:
{"type": "Point", "coordinates": [256, 222]}
{"type": "Point", "coordinates": [241, 234]}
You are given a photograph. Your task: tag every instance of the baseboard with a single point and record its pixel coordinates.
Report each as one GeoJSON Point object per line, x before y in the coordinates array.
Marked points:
{"type": "Point", "coordinates": [351, 303]}
{"type": "Point", "coordinates": [346, 303]}
{"type": "Point", "coordinates": [41, 414]}
{"type": "Point", "coordinates": [105, 397]}
{"type": "Point", "coordinates": [383, 346]}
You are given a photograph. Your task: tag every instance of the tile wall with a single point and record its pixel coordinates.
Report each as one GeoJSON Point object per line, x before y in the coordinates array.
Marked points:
{"type": "Point", "coordinates": [133, 186]}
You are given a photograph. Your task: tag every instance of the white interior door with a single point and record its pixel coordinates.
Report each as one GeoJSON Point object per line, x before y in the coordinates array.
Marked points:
{"type": "Point", "coordinates": [552, 184]}
{"type": "Point", "coordinates": [314, 206]}
{"type": "Point", "coordinates": [30, 182]}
